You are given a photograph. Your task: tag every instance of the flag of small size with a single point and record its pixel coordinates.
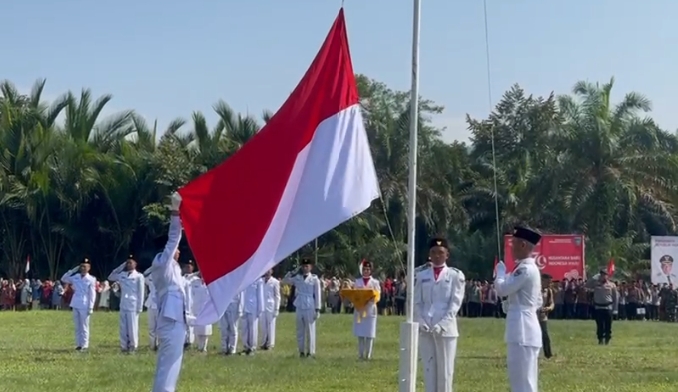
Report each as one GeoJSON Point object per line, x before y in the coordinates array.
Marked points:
{"type": "Point", "coordinates": [28, 264]}
{"type": "Point", "coordinates": [306, 172]}
{"type": "Point", "coordinates": [610, 267]}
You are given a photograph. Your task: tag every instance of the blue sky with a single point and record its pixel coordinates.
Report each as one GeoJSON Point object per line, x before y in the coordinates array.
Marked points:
{"type": "Point", "coordinates": [168, 58]}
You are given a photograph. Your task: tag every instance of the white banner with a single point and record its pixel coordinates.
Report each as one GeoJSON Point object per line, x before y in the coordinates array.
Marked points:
{"type": "Point", "coordinates": [664, 253]}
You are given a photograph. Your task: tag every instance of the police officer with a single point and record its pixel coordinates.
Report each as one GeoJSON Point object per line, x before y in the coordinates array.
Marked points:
{"type": "Point", "coordinates": [605, 299]}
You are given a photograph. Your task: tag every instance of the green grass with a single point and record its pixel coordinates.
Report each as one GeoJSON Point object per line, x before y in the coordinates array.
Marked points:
{"type": "Point", "coordinates": [37, 355]}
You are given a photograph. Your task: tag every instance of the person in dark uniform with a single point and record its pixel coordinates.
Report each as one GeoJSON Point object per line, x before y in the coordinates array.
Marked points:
{"type": "Point", "coordinates": [605, 300]}
{"type": "Point", "coordinates": [547, 307]}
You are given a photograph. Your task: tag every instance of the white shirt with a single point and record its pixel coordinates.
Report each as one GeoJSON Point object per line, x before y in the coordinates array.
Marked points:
{"type": "Point", "coordinates": [271, 295]}
{"type": "Point", "coordinates": [237, 305]}
{"type": "Point", "coordinates": [437, 301]}
{"type": "Point", "coordinates": [84, 290]}
{"type": "Point", "coordinates": [166, 276]}
{"type": "Point", "coordinates": [132, 289]}
{"type": "Point", "coordinates": [254, 298]}
{"type": "Point", "coordinates": [523, 289]}
{"type": "Point", "coordinates": [307, 291]}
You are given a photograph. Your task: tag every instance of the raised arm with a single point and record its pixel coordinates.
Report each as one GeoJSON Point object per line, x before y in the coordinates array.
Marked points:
{"type": "Point", "coordinates": [289, 278]}
{"type": "Point", "coordinates": [115, 274]}
{"type": "Point", "coordinates": [173, 240]}
{"type": "Point", "coordinates": [67, 278]}
{"type": "Point", "coordinates": [510, 284]}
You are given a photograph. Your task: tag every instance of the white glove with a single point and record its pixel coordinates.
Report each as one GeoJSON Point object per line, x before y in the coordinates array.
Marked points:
{"type": "Point", "coordinates": [616, 312]}
{"type": "Point", "coordinates": [176, 201]}
{"type": "Point", "coordinates": [90, 311]}
{"type": "Point", "coordinates": [276, 314]}
{"type": "Point", "coordinates": [436, 329]}
{"type": "Point", "coordinates": [501, 270]}
{"type": "Point", "coordinates": [190, 320]}
{"type": "Point", "coordinates": [317, 315]}
{"type": "Point", "coordinates": [423, 327]}
{"type": "Point", "coordinates": [596, 277]}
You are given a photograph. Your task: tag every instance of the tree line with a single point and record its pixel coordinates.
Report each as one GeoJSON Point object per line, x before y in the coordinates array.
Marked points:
{"type": "Point", "coordinates": [74, 185]}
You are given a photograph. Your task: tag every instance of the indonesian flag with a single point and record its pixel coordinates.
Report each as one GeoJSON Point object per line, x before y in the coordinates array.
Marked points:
{"type": "Point", "coordinates": [494, 269]}
{"type": "Point", "coordinates": [610, 267]}
{"type": "Point", "coordinates": [28, 264]}
{"type": "Point", "coordinates": [306, 172]}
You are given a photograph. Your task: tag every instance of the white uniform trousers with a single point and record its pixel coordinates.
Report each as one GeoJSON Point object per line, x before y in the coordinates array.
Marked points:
{"type": "Point", "coordinates": [152, 335]}
{"type": "Point", "coordinates": [268, 329]}
{"type": "Point", "coordinates": [171, 337]}
{"type": "Point", "coordinates": [201, 341]}
{"type": "Point", "coordinates": [437, 354]}
{"type": "Point", "coordinates": [228, 324]}
{"type": "Point", "coordinates": [365, 346]}
{"type": "Point", "coordinates": [306, 331]}
{"type": "Point", "coordinates": [129, 330]}
{"type": "Point", "coordinates": [250, 326]}
{"type": "Point", "coordinates": [81, 322]}
{"type": "Point", "coordinates": [523, 367]}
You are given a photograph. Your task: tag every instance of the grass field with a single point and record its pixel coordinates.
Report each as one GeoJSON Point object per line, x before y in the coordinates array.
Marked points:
{"type": "Point", "coordinates": [37, 355]}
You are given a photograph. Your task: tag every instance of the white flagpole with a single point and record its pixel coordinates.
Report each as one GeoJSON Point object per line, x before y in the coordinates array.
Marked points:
{"type": "Point", "coordinates": [409, 330]}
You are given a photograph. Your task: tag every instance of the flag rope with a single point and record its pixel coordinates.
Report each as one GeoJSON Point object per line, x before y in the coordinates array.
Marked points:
{"type": "Point", "coordinates": [494, 155]}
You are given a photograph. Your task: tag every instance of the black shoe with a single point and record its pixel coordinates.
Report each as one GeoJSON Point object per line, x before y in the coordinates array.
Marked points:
{"type": "Point", "coordinates": [607, 341]}
{"type": "Point", "coordinates": [302, 355]}
{"type": "Point", "coordinates": [265, 347]}
{"type": "Point", "coordinates": [78, 348]}
{"type": "Point", "coordinates": [600, 341]}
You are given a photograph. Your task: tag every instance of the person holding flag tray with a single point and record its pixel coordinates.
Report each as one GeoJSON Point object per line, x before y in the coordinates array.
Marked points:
{"type": "Point", "coordinates": [364, 296]}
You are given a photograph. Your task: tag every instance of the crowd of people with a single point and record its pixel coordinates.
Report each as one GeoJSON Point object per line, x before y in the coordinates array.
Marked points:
{"type": "Point", "coordinates": [637, 300]}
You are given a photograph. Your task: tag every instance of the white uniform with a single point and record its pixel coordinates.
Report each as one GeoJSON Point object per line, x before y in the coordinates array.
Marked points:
{"type": "Point", "coordinates": [152, 310]}
{"type": "Point", "coordinates": [82, 303]}
{"type": "Point", "coordinates": [202, 332]}
{"type": "Point", "coordinates": [253, 298]}
{"type": "Point", "coordinates": [228, 324]}
{"type": "Point", "coordinates": [523, 334]}
{"type": "Point", "coordinates": [271, 311]}
{"type": "Point", "coordinates": [132, 290]}
{"type": "Point", "coordinates": [192, 283]}
{"type": "Point", "coordinates": [436, 303]}
{"type": "Point", "coordinates": [171, 322]}
{"type": "Point", "coordinates": [365, 322]}
{"type": "Point", "coordinates": [307, 302]}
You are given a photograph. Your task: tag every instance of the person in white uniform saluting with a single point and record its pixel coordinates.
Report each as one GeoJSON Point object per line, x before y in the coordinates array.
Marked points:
{"type": "Point", "coordinates": [523, 289]}
{"type": "Point", "coordinates": [271, 310]}
{"type": "Point", "coordinates": [228, 324]}
{"type": "Point", "coordinates": [84, 295]}
{"type": "Point", "coordinates": [438, 295]}
{"type": "Point", "coordinates": [365, 320]}
{"type": "Point", "coordinates": [151, 310]}
{"type": "Point", "coordinates": [307, 302]}
{"type": "Point", "coordinates": [172, 312]}
{"type": "Point", "coordinates": [132, 290]}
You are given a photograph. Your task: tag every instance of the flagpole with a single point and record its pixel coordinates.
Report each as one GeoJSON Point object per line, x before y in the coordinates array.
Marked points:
{"type": "Point", "coordinates": [409, 330]}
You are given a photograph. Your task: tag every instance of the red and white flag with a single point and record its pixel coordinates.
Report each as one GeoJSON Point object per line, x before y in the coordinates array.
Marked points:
{"type": "Point", "coordinates": [610, 267]}
{"type": "Point", "coordinates": [28, 264]}
{"type": "Point", "coordinates": [306, 172]}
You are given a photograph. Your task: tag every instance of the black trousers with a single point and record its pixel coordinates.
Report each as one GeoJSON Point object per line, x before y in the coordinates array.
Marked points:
{"type": "Point", "coordinates": [545, 338]}
{"type": "Point", "coordinates": [603, 324]}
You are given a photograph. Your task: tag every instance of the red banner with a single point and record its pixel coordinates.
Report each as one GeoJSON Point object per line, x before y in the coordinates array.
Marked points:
{"type": "Point", "coordinates": [559, 255]}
